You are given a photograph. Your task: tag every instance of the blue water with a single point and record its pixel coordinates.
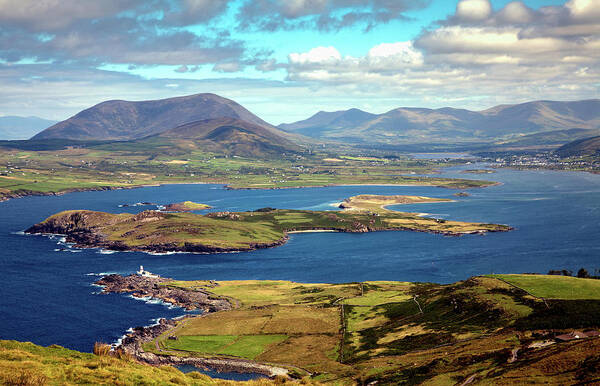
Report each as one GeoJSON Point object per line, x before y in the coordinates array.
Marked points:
{"type": "Point", "coordinates": [47, 297]}
{"type": "Point", "coordinates": [232, 376]}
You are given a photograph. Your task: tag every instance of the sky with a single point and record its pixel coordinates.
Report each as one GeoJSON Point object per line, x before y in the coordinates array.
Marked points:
{"type": "Point", "coordinates": [285, 60]}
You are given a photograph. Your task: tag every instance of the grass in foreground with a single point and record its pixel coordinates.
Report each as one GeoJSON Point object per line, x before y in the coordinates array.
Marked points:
{"type": "Point", "coordinates": [29, 364]}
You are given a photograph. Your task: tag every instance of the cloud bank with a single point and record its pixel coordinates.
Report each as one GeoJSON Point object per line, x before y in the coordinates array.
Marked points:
{"type": "Point", "coordinates": [513, 53]}
{"type": "Point", "coordinates": [51, 53]}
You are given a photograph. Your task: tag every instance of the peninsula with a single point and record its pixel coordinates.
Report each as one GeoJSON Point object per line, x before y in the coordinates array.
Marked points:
{"type": "Point", "coordinates": [159, 232]}
{"type": "Point", "coordinates": [488, 329]}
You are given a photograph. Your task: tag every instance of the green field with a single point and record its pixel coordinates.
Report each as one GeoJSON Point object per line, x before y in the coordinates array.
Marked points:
{"type": "Point", "coordinates": [245, 346]}
{"type": "Point", "coordinates": [394, 332]}
{"type": "Point", "coordinates": [554, 286]}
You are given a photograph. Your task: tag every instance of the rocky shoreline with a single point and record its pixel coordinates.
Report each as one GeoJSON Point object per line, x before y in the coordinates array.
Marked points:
{"type": "Point", "coordinates": [154, 286]}
{"type": "Point", "coordinates": [150, 286]}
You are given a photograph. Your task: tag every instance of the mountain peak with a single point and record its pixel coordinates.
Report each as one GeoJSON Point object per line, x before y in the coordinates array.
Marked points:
{"type": "Point", "coordinates": [125, 120]}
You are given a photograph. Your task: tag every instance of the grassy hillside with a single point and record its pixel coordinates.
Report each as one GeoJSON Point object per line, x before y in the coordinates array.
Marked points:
{"type": "Point", "coordinates": [28, 364]}
{"type": "Point", "coordinates": [225, 136]}
{"type": "Point", "coordinates": [481, 329]}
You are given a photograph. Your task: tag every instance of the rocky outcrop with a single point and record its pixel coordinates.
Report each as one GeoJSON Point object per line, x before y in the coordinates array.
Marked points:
{"type": "Point", "coordinates": [215, 364]}
{"type": "Point", "coordinates": [157, 287]}
{"type": "Point", "coordinates": [5, 196]}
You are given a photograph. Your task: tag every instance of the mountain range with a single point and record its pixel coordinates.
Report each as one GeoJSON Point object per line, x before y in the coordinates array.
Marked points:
{"type": "Point", "coordinates": [211, 122]}
{"type": "Point", "coordinates": [449, 125]}
{"type": "Point", "coordinates": [16, 128]}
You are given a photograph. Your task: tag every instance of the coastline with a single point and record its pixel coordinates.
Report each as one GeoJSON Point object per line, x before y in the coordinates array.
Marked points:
{"type": "Point", "coordinates": [493, 183]}
{"type": "Point", "coordinates": [313, 231]}
{"type": "Point", "coordinates": [29, 193]}
{"type": "Point", "coordinates": [199, 249]}
{"type": "Point", "coordinates": [83, 240]}
{"type": "Point", "coordinates": [131, 342]}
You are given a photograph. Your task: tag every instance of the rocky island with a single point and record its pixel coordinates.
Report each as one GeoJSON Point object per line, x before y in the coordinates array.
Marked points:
{"type": "Point", "coordinates": [159, 232]}
{"type": "Point", "coordinates": [186, 206]}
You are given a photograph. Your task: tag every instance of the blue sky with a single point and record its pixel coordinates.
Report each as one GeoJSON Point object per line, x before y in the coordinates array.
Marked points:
{"type": "Point", "coordinates": [286, 60]}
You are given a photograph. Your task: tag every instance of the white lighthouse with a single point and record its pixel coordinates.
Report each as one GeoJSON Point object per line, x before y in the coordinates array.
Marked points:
{"type": "Point", "coordinates": [142, 272]}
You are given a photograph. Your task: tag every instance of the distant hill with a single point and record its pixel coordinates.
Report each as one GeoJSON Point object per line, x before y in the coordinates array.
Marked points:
{"type": "Point", "coordinates": [124, 120]}
{"type": "Point", "coordinates": [16, 128]}
{"type": "Point", "coordinates": [581, 147]}
{"type": "Point", "coordinates": [325, 121]}
{"type": "Point", "coordinates": [225, 136]}
{"type": "Point", "coordinates": [449, 125]}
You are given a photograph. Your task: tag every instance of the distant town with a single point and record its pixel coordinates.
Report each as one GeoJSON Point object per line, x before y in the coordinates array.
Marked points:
{"type": "Point", "coordinates": [546, 160]}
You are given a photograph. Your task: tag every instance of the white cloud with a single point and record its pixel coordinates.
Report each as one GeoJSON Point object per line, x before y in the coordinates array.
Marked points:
{"type": "Point", "coordinates": [317, 55]}
{"type": "Point", "coordinates": [473, 10]}
{"type": "Point", "coordinates": [514, 53]}
{"type": "Point", "coordinates": [394, 53]}
{"type": "Point", "coordinates": [584, 9]}
{"type": "Point", "coordinates": [516, 13]}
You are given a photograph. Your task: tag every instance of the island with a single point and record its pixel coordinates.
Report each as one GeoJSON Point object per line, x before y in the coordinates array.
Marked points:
{"type": "Point", "coordinates": [186, 206]}
{"type": "Point", "coordinates": [160, 232]}
{"type": "Point", "coordinates": [377, 203]}
{"type": "Point", "coordinates": [487, 329]}
{"type": "Point", "coordinates": [461, 194]}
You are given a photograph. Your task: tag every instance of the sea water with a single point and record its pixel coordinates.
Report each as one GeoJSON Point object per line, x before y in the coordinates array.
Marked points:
{"type": "Point", "coordinates": [48, 297]}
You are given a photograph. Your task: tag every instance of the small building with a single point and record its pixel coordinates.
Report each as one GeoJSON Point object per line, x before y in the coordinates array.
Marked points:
{"type": "Point", "coordinates": [571, 336]}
